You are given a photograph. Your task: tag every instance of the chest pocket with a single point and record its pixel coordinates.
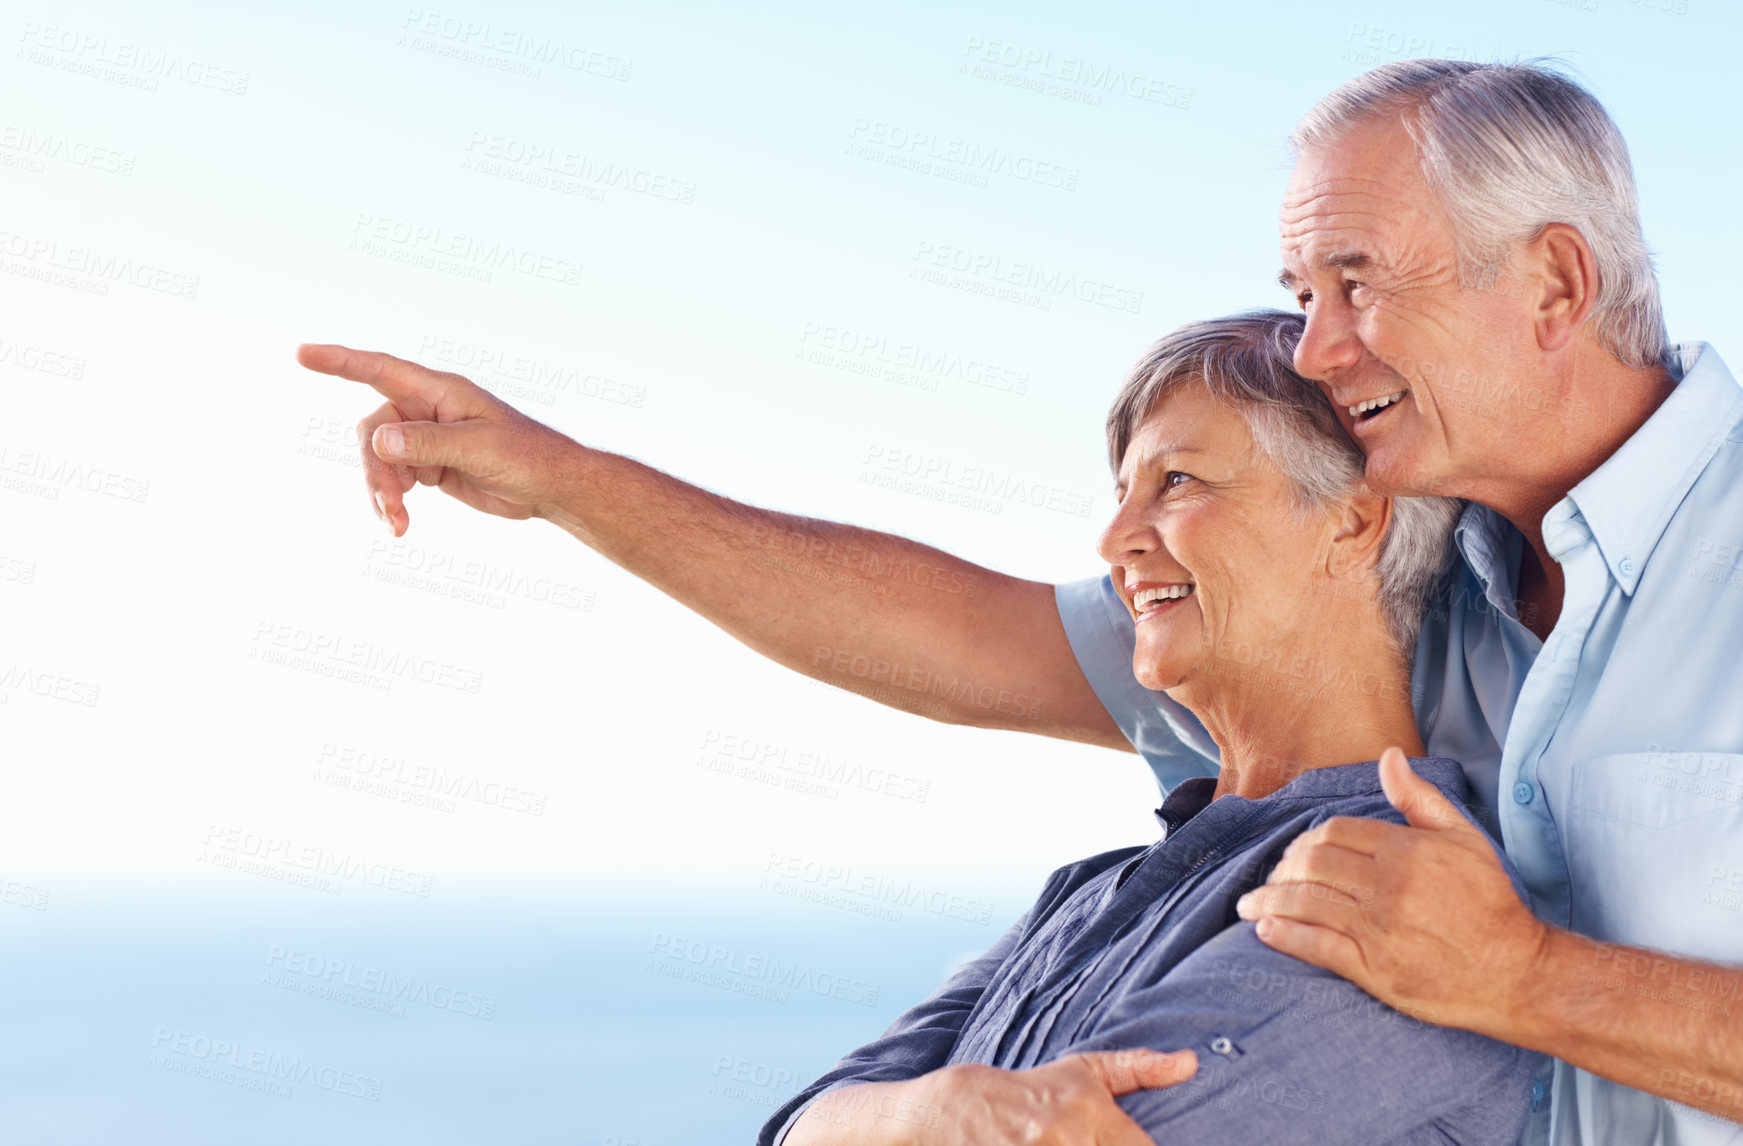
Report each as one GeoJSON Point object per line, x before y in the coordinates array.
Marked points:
{"type": "Point", "coordinates": [1655, 851]}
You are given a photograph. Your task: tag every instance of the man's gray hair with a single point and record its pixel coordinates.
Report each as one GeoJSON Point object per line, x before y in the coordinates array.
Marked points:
{"type": "Point", "coordinates": [1246, 360]}
{"type": "Point", "coordinates": [1509, 149]}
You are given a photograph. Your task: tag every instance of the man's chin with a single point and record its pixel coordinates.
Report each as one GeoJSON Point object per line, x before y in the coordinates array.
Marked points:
{"type": "Point", "coordinates": [1394, 472]}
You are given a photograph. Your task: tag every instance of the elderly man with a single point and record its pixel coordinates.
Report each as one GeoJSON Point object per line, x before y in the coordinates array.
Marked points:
{"type": "Point", "coordinates": [1465, 243]}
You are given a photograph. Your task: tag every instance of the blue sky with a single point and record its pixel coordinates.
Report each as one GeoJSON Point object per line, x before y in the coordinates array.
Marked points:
{"type": "Point", "coordinates": [718, 239]}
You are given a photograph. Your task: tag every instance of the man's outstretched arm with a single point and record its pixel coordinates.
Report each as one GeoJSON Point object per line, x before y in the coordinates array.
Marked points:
{"type": "Point", "coordinates": [903, 623]}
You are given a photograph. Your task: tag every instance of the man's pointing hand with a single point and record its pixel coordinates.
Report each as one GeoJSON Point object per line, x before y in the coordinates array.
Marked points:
{"type": "Point", "coordinates": [443, 430]}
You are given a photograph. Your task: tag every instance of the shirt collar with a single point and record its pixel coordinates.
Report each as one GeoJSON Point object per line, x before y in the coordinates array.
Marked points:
{"type": "Point", "coordinates": [1490, 546]}
{"type": "Point", "coordinates": [1188, 799]}
{"type": "Point", "coordinates": [1628, 501]}
{"type": "Point", "coordinates": [1192, 796]}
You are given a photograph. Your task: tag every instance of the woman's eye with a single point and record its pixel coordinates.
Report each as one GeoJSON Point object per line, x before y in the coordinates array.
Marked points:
{"type": "Point", "coordinates": [1304, 297]}
{"type": "Point", "coordinates": [1174, 478]}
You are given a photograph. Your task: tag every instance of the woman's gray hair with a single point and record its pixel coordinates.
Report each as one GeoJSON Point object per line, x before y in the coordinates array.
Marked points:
{"type": "Point", "coordinates": [1509, 149]}
{"type": "Point", "coordinates": [1247, 362]}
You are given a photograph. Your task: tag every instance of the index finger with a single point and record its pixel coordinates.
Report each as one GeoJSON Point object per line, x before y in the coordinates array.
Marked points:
{"type": "Point", "coordinates": [1140, 1068]}
{"type": "Point", "coordinates": [395, 379]}
{"type": "Point", "coordinates": [1357, 834]}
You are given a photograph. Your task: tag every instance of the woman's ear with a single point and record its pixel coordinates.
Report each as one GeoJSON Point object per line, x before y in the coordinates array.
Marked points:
{"type": "Point", "coordinates": [1361, 525]}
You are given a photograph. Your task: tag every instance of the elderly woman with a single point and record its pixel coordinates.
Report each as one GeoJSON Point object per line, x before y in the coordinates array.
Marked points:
{"type": "Point", "coordinates": [1279, 600]}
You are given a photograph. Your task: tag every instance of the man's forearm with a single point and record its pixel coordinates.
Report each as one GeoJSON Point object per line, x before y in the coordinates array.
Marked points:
{"type": "Point", "coordinates": [1668, 1026]}
{"type": "Point", "coordinates": [903, 623]}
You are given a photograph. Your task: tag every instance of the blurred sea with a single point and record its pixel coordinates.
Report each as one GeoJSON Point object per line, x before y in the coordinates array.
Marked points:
{"type": "Point", "coordinates": [216, 1012]}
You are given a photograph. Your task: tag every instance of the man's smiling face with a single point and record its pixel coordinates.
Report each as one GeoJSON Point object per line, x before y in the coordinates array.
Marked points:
{"type": "Point", "coordinates": [1426, 373]}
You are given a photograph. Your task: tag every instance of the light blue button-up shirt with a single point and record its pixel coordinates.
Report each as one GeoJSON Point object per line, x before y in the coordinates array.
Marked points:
{"type": "Point", "coordinates": [1608, 758]}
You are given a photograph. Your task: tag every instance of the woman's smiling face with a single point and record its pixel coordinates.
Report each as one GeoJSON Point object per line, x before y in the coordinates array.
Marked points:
{"type": "Point", "coordinates": [1211, 553]}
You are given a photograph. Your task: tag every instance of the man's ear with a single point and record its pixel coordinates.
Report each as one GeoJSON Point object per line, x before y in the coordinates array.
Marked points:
{"type": "Point", "coordinates": [1360, 528]}
{"type": "Point", "coordinates": [1561, 268]}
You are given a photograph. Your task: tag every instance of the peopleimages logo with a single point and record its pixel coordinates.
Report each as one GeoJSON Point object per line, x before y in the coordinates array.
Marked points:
{"type": "Point", "coordinates": [754, 758]}
{"type": "Point", "coordinates": [893, 142]}
{"type": "Point", "coordinates": [870, 893]}
{"type": "Point", "coordinates": [911, 363]}
{"type": "Point", "coordinates": [417, 567]}
{"type": "Point", "coordinates": [1042, 283]}
{"type": "Point", "coordinates": [185, 1052]}
{"type": "Point", "coordinates": [947, 473]}
{"type": "Point", "coordinates": [475, 40]}
{"type": "Point", "coordinates": [144, 65]}
{"type": "Point", "coordinates": [435, 248]}
{"type": "Point", "coordinates": [328, 653]}
{"type": "Point", "coordinates": [24, 678]}
{"type": "Point", "coordinates": [55, 474]}
{"type": "Point", "coordinates": [94, 268]}
{"type": "Point", "coordinates": [314, 974]}
{"type": "Point", "coordinates": [423, 777]}
{"type": "Point", "coordinates": [230, 847]}
{"type": "Point", "coordinates": [751, 973]}
{"type": "Point", "coordinates": [1072, 76]}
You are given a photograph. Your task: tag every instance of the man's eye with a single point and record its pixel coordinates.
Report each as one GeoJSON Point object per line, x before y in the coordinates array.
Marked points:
{"type": "Point", "coordinates": [1174, 478]}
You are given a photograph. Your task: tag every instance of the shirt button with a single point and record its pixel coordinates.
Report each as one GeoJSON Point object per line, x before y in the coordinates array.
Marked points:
{"type": "Point", "coordinates": [1221, 1044]}
{"type": "Point", "coordinates": [1522, 793]}
{"type": "Point", "coordinates": [1626, 565]}
{"type": "Point", "coordinates": [1538, 1090]}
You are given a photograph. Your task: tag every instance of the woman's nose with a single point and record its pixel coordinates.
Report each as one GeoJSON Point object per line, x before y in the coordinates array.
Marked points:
{"type": "Point", "coordinates": [1125, 537]}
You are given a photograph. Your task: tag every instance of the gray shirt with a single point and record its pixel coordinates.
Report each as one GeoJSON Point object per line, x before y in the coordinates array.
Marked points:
{"type": "Point", "coordinates": [1141, 947]}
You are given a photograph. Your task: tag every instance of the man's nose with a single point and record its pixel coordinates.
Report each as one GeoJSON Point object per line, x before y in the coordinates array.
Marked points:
{"type": "Point", "coordinates": [1328, 344]}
